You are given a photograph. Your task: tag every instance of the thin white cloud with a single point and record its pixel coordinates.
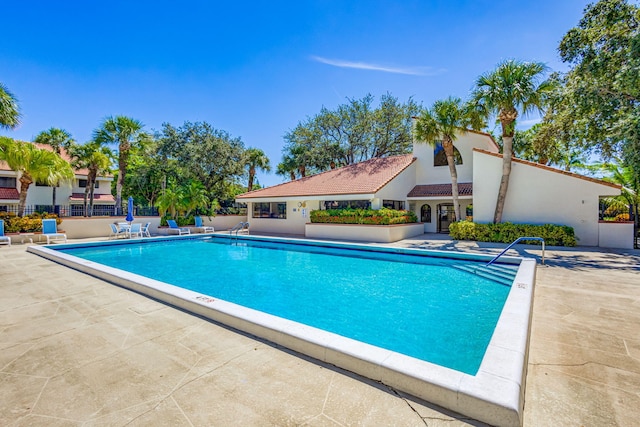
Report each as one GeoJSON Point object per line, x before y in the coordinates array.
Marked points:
{"type": "Point", "coordinates": [414, 71]}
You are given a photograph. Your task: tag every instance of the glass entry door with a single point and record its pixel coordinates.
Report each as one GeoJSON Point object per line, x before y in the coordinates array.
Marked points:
{"type": "Point", "coordinates": [446, 215]}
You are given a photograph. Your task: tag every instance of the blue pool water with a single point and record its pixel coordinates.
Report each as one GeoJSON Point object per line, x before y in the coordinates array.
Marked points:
{"type": "Point", "coordinates": [415, 305]}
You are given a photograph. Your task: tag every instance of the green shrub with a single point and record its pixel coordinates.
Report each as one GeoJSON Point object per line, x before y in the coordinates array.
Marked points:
{"type": "Point", "coordinates": [383, 216]}
{"type": "Point", "coordinates": [181, 221]}
{"type": "Point", "coordinates": [25, 224]}
{"type": "Point", "coordinates": [506, 232]}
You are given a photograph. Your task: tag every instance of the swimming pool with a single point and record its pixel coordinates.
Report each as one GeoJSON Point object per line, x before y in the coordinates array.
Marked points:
{"type": "Point", "coordinates": [304, 330]}
{"type": "Point", "coordinates": [419, 306]}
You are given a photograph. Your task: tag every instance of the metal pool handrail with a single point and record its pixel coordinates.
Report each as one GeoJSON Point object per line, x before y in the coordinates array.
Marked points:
{"type": "Point", "coordinates": [516, 241]}
{"type": "Point", "coordinates": [239, 227]}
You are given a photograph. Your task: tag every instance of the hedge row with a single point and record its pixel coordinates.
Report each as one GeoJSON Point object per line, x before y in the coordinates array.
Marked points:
{"type": "Point", "coordinates": [383, 216]}
{"type": "Point", "coordinates": [25, 224]}
{"type": "Point", "coordinates": [506, 232]}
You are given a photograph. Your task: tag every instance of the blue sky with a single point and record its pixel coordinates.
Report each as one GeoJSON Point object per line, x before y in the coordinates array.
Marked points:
{"type": "Point", "coordinates": [255, 69]}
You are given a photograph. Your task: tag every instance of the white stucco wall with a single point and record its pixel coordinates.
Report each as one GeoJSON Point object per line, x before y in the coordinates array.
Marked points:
{"type": "Point", "coordinates": [538, 196]}
{"type": "Point", "coordinates": [82, 228]}
{"type": "Point", "coordinates": [426, 173]}
{"type": "Point", "coordinates": [41, 195]}
{"type": "Point", "coordinates": [616, 234]}
{"type": "Point", "coordinates": [363, 233]}
{"type": "Point", "coordinates": [297, 217]}
{"type": "Point", "coordinates": [400, 186]}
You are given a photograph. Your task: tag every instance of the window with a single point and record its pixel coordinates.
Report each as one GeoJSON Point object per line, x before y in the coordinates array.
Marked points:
{"type": "Point", "coordinates": [44, 184]}
{"type": "Point", "coordinates": [82, 183]}
{"type": "Point", "coordinates": [7, 182]}
{"type": "Point", "coordinates": [393, 204]}
{"type": "Point", "coordinates": [270, 210]}
{"type": "Point", "coordinates": [347, 204]}
{"type": "Point", "coordinates": [440, 159]}
{"type": "Point", "coordinates": [425, 213]}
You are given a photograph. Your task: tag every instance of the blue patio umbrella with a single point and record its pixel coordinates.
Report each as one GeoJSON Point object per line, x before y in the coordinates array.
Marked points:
{"type": "Point", "coordinates": [129, 217]}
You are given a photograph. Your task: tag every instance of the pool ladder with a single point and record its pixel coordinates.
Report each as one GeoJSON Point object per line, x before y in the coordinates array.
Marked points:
{"type": "Point", "coordinates": [239, 228]}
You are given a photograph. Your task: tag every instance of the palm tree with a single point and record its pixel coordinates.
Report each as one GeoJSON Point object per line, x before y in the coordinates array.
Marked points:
{"type": "Point", "coordinates": [512, 86]}
{"type": "Point", "coordinates": [445, 120]}
{"type": "Point", "coordinates": [618, 173]}
{"type": "Point", "coordinates": [9, 109]}
{"type": "Point", "coordinates": [287, 167]}
{"type": "Point", "coordinates": [34, 165]}
{"type": "Point", "coordinates": [96, 158]}
{"type": "Point", "coordinates": [57, 139]}
{"type": "Point", "coordinates": [255, 158]}
{"type": "Point", "coordinates": [170, 201]}
{"type": "Point", "coordinates": [194, 196]}
{"type": "Point", "coordinates": [124, 132]}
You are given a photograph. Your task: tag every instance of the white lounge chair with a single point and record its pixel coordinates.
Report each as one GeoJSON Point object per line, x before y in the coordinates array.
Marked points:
{"type": "Point", "coordinates": [50, 231]}
{"type": "Point", "coordinates": [145, 230]}
{"type": "Point", "coordinates": [201, 227]}
{"type": "Point", "coordinates": [135, 230]}
{"type": "Point", "coordinates": [173, 228]}
{"type": "Point", "coordinates": [116, 231]}
{"type": "Point", "coordinates": [4, 240]}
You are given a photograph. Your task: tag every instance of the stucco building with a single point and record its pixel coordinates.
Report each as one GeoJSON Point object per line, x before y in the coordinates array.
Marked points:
{"type": "Point", "coordinates": [69, 196]}
{"type": "Point", "coordinates": [421, 182]}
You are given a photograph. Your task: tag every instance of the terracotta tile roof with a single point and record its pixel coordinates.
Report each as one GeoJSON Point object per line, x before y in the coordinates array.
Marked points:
{"type": "Point", "coordinates": [550, 169]}
{"type": "Point", "coordinates": [361, 178]}
{"type": "Point", "coordinates": [9, 194]}
{"type": "Point", "coordinates": [441, 190]}
{"type": "Point", "coordinates": [96, 197]}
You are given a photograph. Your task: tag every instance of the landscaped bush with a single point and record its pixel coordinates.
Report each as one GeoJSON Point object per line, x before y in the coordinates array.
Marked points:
{"type": "Point", "coordinates": [26, 224]}
{"type": "Point", "coordinates": [506, 232]}
{"type": "Point", "coordinates": [363, 216]}
{"type": "Point", "coordinates": [181, 221]}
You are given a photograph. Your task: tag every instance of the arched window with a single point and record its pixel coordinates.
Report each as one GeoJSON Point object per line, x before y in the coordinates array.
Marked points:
{"type": "Point", "coordinates": [425, 213]}
{"type": "Point", "coordinates": [440, 159]}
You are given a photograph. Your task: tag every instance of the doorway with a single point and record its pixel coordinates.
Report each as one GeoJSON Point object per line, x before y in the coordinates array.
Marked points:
{"type": "Point", "coordinates": [446, 215]}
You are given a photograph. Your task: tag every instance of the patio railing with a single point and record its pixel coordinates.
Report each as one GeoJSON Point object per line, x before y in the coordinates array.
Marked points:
{"type": "Point", "coordinates": [75, 210]}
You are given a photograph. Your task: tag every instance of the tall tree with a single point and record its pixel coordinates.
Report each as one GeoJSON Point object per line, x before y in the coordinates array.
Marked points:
{"type": "Point", "coordinates": [601, 91]}
{"type": "Point", "coordinates": [353, 132]}
{"type": "Point", "coordinates": [9, 109]}
{"type": "Point", "coordinates": [255, 159]}
{"type": "Point", "coordinates": [205, 154]}
{"type": "Point", "coordinates": [124, 132]}
{"type": "Point", "coordinates": [96, 158]}
{"type": "Point", "coordinates": [391, 133]}
{"type": "Point", "coordinates": [513, 88]}
{"type": "Point", "coordinates": [57, 139]}
{"type": "Point", "coordinates": [444, 121]}
{"type": "Point", "coordinates": [148, 171]}
{"type": "Point", "coordinates": [34, 165]}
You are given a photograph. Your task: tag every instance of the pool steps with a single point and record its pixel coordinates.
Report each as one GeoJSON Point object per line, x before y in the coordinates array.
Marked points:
{"type": "Point", "coordinates": [505, 275]}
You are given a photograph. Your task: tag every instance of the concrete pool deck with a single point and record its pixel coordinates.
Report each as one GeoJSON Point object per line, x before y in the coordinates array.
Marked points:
{"type": "Point", "coordinates": [79, 351]}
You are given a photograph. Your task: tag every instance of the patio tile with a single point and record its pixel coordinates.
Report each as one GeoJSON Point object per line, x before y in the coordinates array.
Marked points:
{"type": "Point", "coordinates": [76, 350]}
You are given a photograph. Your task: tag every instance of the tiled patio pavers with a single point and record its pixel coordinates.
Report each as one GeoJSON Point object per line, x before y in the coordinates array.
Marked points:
{"type": "Point", "coordinates": [79, 351]}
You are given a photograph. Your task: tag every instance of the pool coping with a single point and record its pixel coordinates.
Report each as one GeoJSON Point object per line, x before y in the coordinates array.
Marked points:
{"type": "Point", "coordinates": [494, 395]}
